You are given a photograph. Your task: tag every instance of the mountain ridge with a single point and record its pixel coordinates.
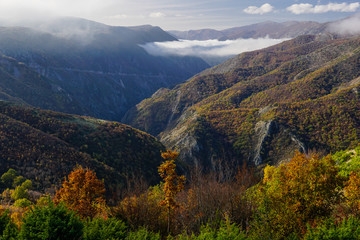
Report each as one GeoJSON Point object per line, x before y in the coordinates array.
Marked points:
{"type": "Point", "coordinates": [44, 146]}
{"type": "Point", "coordinates": [270, 29]}
{"type": "Point", "coordinates": [102, 69]}
{"type": "Point", "coordinates": [242, 102]}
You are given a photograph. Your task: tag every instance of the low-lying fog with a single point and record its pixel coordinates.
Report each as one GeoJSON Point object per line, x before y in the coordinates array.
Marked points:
{"type": "Point", "coordinates": [212, 51]}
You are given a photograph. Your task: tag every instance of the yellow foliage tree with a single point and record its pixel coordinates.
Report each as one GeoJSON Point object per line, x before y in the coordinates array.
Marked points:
{"type": "Point", "coordinates": [172, 182]}
{"type": "Point", "coordinates": [82, 192]}
{"type": "Point", "coordinates": [352, 192]}
{"type": "Point", "coordinates": [297, 193]}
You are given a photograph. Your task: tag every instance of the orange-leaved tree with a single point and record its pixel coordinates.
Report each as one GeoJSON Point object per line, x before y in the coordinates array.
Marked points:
{"type": "Point", "coordinates": [172, 182]}
{"type": "Point", "coordinates": [82, 192]}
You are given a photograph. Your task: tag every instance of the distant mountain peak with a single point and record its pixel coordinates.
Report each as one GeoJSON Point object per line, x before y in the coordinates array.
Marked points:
{"type": "Point", "coordinates": [271, 29]}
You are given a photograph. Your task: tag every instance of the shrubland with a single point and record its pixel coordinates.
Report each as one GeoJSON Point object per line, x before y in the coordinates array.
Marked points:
{"type": "Point", "coordinates": [309, 197]}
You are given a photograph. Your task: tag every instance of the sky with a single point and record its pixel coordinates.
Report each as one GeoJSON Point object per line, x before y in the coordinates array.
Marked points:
{"type": "Point", "coordinates": [180, 14]}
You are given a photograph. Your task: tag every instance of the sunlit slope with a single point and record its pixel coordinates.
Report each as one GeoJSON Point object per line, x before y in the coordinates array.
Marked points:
{"type": "Point", "coordinates": [261, 106]}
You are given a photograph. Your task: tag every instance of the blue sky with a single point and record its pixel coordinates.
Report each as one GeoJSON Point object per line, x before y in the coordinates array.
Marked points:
{"type": "Point", "coordinates": [181, 14]}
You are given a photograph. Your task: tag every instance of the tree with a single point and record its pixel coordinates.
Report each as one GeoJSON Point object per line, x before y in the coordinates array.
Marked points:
{"type": "Point", "coordinates": [21, 192]}
{"type": "Point", "coordinates": [8, 229]}
{"type": "Point", "coordinates": [172, 182]}
{"type": "Point", "coordinates": [51, 222]}
{"type": "Point", "coordinates": [352, 192]}
{"type": "Point", "coordinates": [144, 210]}
{"type": "Point", "coordinates": [9, 177]}
{"type": "Point", "coordinates": [297, 193]}
{"type": "Point", "coordinates": [82, 192]}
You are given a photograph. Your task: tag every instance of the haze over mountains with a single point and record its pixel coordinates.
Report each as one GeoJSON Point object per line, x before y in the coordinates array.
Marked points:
{"type": "Point", "coordinates": [251, 132]}
{"type": "Point", "coordinates": [257, 107]}
{"type": "Point", "coordinates": [274, 30]}
{"type": "Point", "coordinates": [84, 67]}
{"type": "Point", "coordinates": [269, 29]}
{"type": "Point", "coordinates": [263, 105]}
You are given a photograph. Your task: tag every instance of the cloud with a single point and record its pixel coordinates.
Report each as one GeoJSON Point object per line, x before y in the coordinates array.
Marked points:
{"type": "Point", "coordinates": [208, 48]}
{"type": "Point", "coordinates": [265, 8]}
{"type": "Point", "coordinates": [157, 15]}
{"type": "Point", "coordinates": [347, 26]}
{"type": "Point", "coordinates": [331, 7]}
{"type": "Point", "coordinates": [119, 16]}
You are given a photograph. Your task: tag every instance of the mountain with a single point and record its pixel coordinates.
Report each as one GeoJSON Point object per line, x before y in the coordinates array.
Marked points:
{"type": "Point", "coordinates": [260, 106]}
{"type": "Point", "coordinates": [44, 146]}
{"type": "Point", "coordinates": [269, 29]}
{"type": "Point", "coordinates": [201, 34]}
{"type": "Point", "coordinates": [83, 67]}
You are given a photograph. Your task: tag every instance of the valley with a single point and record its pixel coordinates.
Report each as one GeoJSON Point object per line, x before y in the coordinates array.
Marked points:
{"type": "Point", "coordinates": [98, 70]}
{"type": "Point", "coordinates": [258, 107]}
{"type": "Point", "coordinates": [99, 139]}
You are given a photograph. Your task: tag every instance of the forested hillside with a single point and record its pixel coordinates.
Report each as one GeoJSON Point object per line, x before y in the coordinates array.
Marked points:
{"type": "Point", "coordinates": [44, 146]}
{"type": "Point", "coordinates": [261, 106]}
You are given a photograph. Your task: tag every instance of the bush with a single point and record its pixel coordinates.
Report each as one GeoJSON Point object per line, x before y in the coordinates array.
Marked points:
{"type": "Point", "coordinates": [21, 191]}
{"type": "Point", "coordinates": [98, 229]}
{"type": "Point", "coordinates": [8, 178]}
{"type": "Point", "coordinates": [348, 229]}
{"type": "Point", "coordinates": [8, 229]}
{"type": "Point", "coordinates": [224, 232]}
{"type": "Point", "coordinates": [18, 181]}
{"type": "Point", "coordinates": [143, 234]}
{"type": "Point", "coordinates": [51, 222]}
{"type": "Point", "coordinates": [23, 203]}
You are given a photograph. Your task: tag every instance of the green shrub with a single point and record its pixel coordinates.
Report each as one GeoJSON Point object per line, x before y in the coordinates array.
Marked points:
{"type": "Point", "coordinates": [8, 230]}
{"type": "Point", "coordinates": [51, 222]}
{"type": "Point", "coordinates": [348, 161]}
{"type": "Point", "coordinates": [98, 229]}
{"type": "Point", "coordinates": [348, 229]}
{"type": "Point", "coordinates": [21, 191]}
{"type": "Point", "coordinates": [8, 177]}
{"type": "Point", "coordinates": [226, 231]}
{"type": "Point", "coordinates": [143, 234]}
{"type": "Point", "coordinates": [18, 181]}
{"type": "Point", "coordinates": [23, 202]}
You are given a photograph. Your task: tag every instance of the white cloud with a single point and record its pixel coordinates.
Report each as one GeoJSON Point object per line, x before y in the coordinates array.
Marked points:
{"type": "Point", "coordinates": [265, 8]}
{"type": "Point", "coordinates": [157, 15]}
{"type": "Point", "coordinates": [208, 48]}
{"type": "Point", "coordinates": [331, 7]}
{"type": "Point", "coordinates": [347, 26]}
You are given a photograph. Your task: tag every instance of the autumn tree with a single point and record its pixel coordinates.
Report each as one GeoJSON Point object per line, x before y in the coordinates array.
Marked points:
{"type": "Point", "coordinates": [173, 183]}
{"type": "Point", "coordinates": [144, 210]}
{"type": "Point", "coordinates": [352, 192]}
{"type": "Point", "coordinates": [82, 192]}
{"type": "Point", "coordinates": [294, 194]}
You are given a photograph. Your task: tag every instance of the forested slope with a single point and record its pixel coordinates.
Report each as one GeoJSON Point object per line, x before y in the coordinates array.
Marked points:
{"type": "Point", "coordinates": [261, 106]}
{"type": "Point", "coordinates": [45, 146]}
